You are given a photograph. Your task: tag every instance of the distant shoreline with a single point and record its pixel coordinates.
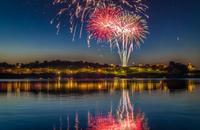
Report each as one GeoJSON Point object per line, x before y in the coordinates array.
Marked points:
{"type": "Point", "coordinates": [97, 76]}
{"type": "Point", "coordinates": [84, 70]}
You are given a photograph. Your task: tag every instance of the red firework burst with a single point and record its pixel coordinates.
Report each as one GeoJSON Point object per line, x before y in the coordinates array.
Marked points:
{"type": "Point", "coordinates": [102, 21]}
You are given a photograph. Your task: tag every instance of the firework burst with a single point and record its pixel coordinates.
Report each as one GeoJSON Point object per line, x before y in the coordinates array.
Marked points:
{"type": "Point", "coordinates": [102, 23]}
{"type": "Point", "coordinates": [133, 27]}
{"type": "Point", "coordinates": [131, 30]}
{"type": "Point", "coordinates": [80, 10]}
{"type": "Point", "coordinates": [119, 22]}
{"type": "Point", "coordinates": [118, 27]}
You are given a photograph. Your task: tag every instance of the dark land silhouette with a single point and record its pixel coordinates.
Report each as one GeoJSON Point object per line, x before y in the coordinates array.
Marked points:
{"type": "Point", "coordinates": [81, 69]}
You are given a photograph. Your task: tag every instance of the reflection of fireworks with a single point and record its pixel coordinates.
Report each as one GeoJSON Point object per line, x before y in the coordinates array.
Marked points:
{"type": "Point", "coordinates": [120, 27]}
{"type": "Point", "coordinates": [125, 119]}
{"type": "Point", "coordinates": [109, 122]}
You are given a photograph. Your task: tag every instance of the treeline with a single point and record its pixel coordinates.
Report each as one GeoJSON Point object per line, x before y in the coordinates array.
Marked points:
{"type": "Point", "coordinates": [54, 64]}
{"type": "Point", "coordinates": [177, 68]}
{"type": "Point", "coordinates": [172, 68]}
{"type": "Point", "coordinates": [6, 65]}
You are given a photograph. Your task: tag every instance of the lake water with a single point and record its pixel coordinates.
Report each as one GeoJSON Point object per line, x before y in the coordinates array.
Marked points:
{"type": "Point", "coordinates": [120, 104]}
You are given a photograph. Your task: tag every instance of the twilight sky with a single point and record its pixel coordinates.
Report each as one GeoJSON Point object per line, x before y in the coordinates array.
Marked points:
{"type": "Point", "coordinates": [27, 35]}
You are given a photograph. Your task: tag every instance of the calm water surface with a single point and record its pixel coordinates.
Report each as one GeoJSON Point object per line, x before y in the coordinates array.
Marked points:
{"type": "Point", "coordinates": [80, 104]}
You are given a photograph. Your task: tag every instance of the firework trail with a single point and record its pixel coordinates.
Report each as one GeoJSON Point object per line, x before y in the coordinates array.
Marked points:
{"type": "Point", "coordinates": [131, 31]}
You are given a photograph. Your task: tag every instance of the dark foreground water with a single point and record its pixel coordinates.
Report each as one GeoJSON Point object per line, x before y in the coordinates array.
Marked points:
{"type": "Point", "coordinates": [100, 104]}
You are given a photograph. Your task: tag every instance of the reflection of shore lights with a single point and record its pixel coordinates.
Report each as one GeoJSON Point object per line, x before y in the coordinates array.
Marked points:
{"type": "Point", "coordinates": [191, 86]}
{"type": "Point", "coordinates": [71, 84]}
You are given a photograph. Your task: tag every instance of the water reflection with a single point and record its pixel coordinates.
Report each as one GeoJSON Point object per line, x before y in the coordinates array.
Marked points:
{"type": "Point", "coordinates": [123, 119]}
{"type": "Point", "coordinates": [96, 104]}
{"type": "Point", "coordinates": [85, 86]}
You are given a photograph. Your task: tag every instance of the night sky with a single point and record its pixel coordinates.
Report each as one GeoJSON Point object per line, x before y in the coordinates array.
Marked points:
{"type": "Point", "coordinates": [27, 35]}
